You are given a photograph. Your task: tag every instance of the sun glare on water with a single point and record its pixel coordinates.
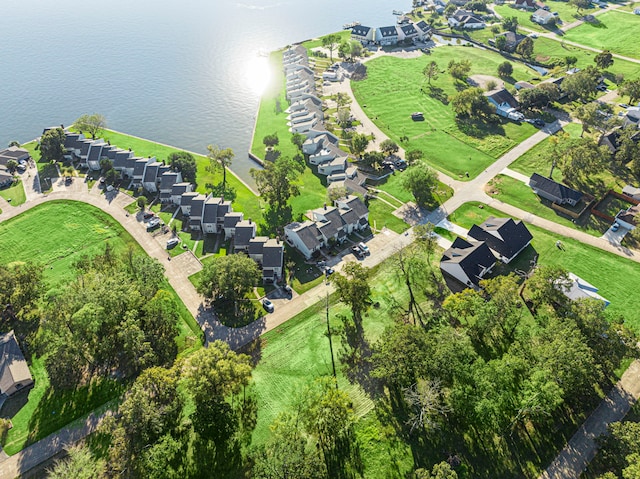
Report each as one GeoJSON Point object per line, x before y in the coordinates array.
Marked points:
{"type": "Point", "coordinates": [258, 74]}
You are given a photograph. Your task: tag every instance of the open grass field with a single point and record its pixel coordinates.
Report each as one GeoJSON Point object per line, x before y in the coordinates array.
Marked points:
{"type": "Point", "coordinates": [615, 276]}
{"type": "Point", "coordinates": [14, 194]}
{"type": "Point", "coordinates": [615, 31]}
{"type": "Point", "coordinates": [47, 411]}
{"type": "Point", "coordinates": [56, 234]}
{"type": "Point", "coordinates": [516, 193]}
{"type": "Point", "coordinates": [393, 90]}
{"type": "Point", "coordinates": [547, 50]}
{"type": "Point", "coordinates": [298, 351]}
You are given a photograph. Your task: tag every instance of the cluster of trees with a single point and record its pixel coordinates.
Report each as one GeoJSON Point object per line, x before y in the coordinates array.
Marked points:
{"type": "Point", "coordinates": [471, 103]}
{"type": "Point", "coordinates": [114, 316]}
{"type": "Point", "coordinates": [185, 163]}
{"type": "Point", "coordinates": [481, 366]}
{"type": "Point", "coordinates": [52, 145]}
{"type": "Point", "coordinates": [539, 97]}
{"type": "Point", "coordinates": [620, 451]}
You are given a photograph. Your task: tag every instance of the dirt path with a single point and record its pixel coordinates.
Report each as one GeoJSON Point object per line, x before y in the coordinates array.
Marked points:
{"type": "Point", "coordinates": [581, 449]}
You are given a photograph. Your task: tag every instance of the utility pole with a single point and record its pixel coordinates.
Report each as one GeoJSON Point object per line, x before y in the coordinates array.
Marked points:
{"type": "Point", "coordinates": [333, 362]}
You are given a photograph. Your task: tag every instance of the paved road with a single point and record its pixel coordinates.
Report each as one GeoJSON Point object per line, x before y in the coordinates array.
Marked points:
{"type": "Point", "coordinates": [581, 449]}
{"type": "Point", "coordinates": [37, 453]}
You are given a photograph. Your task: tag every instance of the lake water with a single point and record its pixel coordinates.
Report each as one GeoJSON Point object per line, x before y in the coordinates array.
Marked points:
{"type": "Point", "coordinates": [187, 73]}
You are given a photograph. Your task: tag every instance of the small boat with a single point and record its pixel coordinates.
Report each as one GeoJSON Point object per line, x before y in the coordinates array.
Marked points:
{"type": "Point", "coordinates": [348, 26]}
{"type": "Point", "coordinates": [398, 12]}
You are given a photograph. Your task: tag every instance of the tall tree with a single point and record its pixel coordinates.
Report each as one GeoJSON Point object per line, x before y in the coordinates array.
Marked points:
{"type": "Point", "coordinates": [459, 70]}
{"type": "Point", "coordinates": [52, 145]}
{"type": "Point", "coordinates": [604, 59]}
{"type": "Point", "coordinates": [92, 124]}
{"type": "Point", "coordinates": [525, 48]}
{"type": "Point", "coordinates": [220, 158]}
{"type": "Point", "coordinates": [582, 85]}
{"type": "Point", "coordinates": [354, 290]}
{"type": "Point", "coordinates": [471, 103]}
{"type": "Point", "coordinates": [632, 89]}
{"type": "Point", "coordinates": [431, 71]}
{"type": "Point", "coordinates": [185, 163]}
{"type": "Point", "coordinates": [359, 143]}
{"type": "Point", "coordinates": [594, 115]}
{"type": "Point", "coordinates": [580, 4]}
{"type": "Point", "coordinates": [79, 464]}
{"type": "Point", "coordinates": [230, 277]}
{"type": "Point", "coordinates": [420, 180]}
{"type": "Point", "coordinates": [389, 147]}
{"type": "Point", "coordinates": [276, 181]}
{"type": "Point", "coordinates": [330, 42]}
{"type": "Point", "coordinates": [583, 158]}
{"type": "Point", "coordinates": [505, 69]}
{"type": "Point", "coordinates": [510, 24]}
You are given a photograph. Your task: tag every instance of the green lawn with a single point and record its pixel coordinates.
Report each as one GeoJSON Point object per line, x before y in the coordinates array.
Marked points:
{"type": "Point", "coordinates": [392, 90]}
{"type": "Point", "coordinates": [615, 31]}
{"type": "Point", "coordinates": [47, 411]}
{"type": "Point", "coordinates": [516, 193]}
{"type": "Point", "coordinates": [616, 277]}
{"type": "Point", "coordinates": [547, 50]}
{"type": "Point", "coordinates": [14, 194]}
{"type": "Point", "coordinates": [295, 353]}
{"type": "Point", "coordinates": [567, 14]}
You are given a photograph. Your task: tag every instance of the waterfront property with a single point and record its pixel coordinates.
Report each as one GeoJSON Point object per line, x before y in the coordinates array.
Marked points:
{"type": "Point", "coordinates": [329, 225]}
{"type": "Point", "coordinates": [465, 19]}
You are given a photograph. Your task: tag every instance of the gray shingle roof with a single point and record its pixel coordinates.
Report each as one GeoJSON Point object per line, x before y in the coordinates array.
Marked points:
{"type": "Point", "coordinates": [360, 30]}
{"type": "Point", "coordinates": [272, 254]}
{"type": "Point", "coordinates": [232, 218]}
{"type": "Point", "coordinates": [179, 188]}
{"type": "Point", "coordinates": [151, 172]}
{"type": "Point", "coordinates": [409, 30]}
{"type": "Point", "coordinates": [13, 367]}
{"type": "Point", "coordinates": [210, 214]}
{"type": "Point", "coordinates": [473, 257]}
{"type": "Point", "coordinates": [554, 188]}
{"type": "Point", "coordinates": [503, 235]}
{"type": "Point", "coordinates": [187, 198]}
{"type": "Point", "coordinates": [168, 179]}
{"type": "Point", "coordinates": [138, 167]}
{"type": "Point", "coordinates": [387, 32]}
{"type": "Point", "coordinates": [245, 230]}
{"type": "Point", "coordinates": [256, 244]}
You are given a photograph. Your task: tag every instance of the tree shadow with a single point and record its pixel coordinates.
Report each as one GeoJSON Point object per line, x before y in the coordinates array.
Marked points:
{"type": "Point", "coordinates": [227, 192]}
{"type": "Point", "coordinates": [438, 94]}
{"type": "Point", "coordinates": [274, 219]}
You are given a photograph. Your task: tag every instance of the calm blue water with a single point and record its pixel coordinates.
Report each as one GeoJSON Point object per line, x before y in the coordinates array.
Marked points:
{"type": "Point", "coordinates": [185, 72]}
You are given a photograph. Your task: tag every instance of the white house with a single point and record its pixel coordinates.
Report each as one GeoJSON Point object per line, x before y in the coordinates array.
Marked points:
{"type": "Point", "coordinates": [506, 105]}
{"type": "Point", "coordinates": [337, 165]}
{"type": "Point", "coordinates": [465, 19]}
{"type": "Point", "coordinates": [467, 261]}
{"type": "Point", "coordinates": [362, 34]}
{"type": "Point", "coordinates": [543, 17]}
{"type": "Point", "coordinates": [387, 36]}
{"type": "Point", "coordinates": [305, 237]}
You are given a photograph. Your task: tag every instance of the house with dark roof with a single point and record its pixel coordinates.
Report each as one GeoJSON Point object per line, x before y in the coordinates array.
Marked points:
{"type": "Point", "coordinates": [505, 104]}
{"type": "Point", "coordinates": [245, 232]}
{"type": "Point", "coordinates": [13, 153]}
{"type": "Point", "coordinates": [330, 224]}
{"type": "Point", "coordinates": [505, 237]}
{"type": "Point", "coordinates": [6, 178]}
{"type": "Point", "coordinates": [387, 36]}
{"type": "Point", "coordinates": [362, 34]}
{"type": "Point", "coordinates": [512, 40]}
{"type": "Point", "coordinates": [554, 191]}
{"type": "Point", "coordinates": [529, 4]}
{"type": "Point", "coordinates": [167, 180]}
{"type": "Point", "coordinates": [231, 219]}
{"type": "Point", "coordinates": [14, 372]}
{"type": "Point", "coordinates": [196, 211]}
{"type": "Point", "coordinates": [424, 30]}
{"type": "Point", "coordinates": [94, 154]}
{"type": "Point", "coordinates": [356, 205]}
{"type": "Point", "coordinates": [150, 175]}
{"type": "Point", "coordinates": [272, 260]}
{"type": "Point", "coordinates": [186, 199]}
{"type": "Point", "coordinates": [407, 32]}
{"type": "Point", "coordinates": [467, 261]}
{"type": "Point", "coordinates": [139, 168]}
{"type": "Point", "coordinates": [612, 139]}
{"type": "Point", "coordinates": [465, 19]}
{"type": "Point", "coordinates": [209, 223]}
{"type": "Point", "coordinates": [177, 190]}
{"type": "Point", "coordinates": [305, 237]}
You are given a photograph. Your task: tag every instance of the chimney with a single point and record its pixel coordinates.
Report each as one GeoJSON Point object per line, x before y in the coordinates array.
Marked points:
{"type": "Point", "coordinates": [325, 207]}
{"type": "Point", "coordinates": [249, 220]}
{"type": "Point", "coordinates": [61, 126]}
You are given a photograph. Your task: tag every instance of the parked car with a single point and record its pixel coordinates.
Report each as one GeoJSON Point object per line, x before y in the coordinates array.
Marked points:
{"type": "Point", "coordinates": [615, 226]}
{"type": "Point", "coordinates": [148, 215]}
{"type": "Point", "coordinates": [153, 224]}
{"type": "Point", "coordinates": [533, 35]}
{"type": "Point", "coordinates": [539, 123]}
{"type": "Point", "coordinates": [329, 271]}
{"type": "Point", "coordinates": [364, 248]}
{"type": "Point", "coordinates": [417, 116]}
{"type": "Point", "coordinates": [288, 289]}
{"type": "Point", "coordinates": [357, 252]}
{"type": "Point", "coordinates": [268, 305]}
{"type": "Point", "coordinates": [623, 105]}
{"type": "Point", "coordinates": [172, 243]}
{"type": "Point", "coordinates": [68, 180]}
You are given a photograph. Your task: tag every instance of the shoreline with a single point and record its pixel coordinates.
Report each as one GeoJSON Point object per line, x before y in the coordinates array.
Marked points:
{"type": "Point", "coordinates": [180, 149]}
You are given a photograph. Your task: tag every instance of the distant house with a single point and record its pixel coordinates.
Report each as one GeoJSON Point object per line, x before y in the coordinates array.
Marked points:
{"type": "Point", "coordinates": [362, 34]}
{"type": "Point", "coordinates": [504, 236]}
{"type": "Point", "coordinates": [612, 139]}
{"type": "Point", "coordinates": [196, 211]}
{"type": "Point", "coordinates": [424, 30]}
{"type": "Point", "coordinates": [578, 288]}
{"type": "Point", "coordinates": [512, 40]}
{"type": "Point", "coordinates": [506, 105]}
{"type": "Point", "coordinates": [305, 237]}
{"type": "Point", "coordinates": [6, 178]}
{"type": "Point", "coordinates": [467, 261]}
{"type": "Point", "coordinates": [529, 5]}
{"type": "Point", "coordinates": [632, 191]}
{"type": "Point", "coordinates": [465, 19]}
{"type": "Point", "coordinates": [408, 32]}
{"type": "Point", "coordinates": [14, 372]}
{"type": "Point", "coordinates": [543, 17]}
{"type": "Point", "coordinates": [13, 153]}
{"type": "Point", "coordinates": [554, 191]}
{"type": "Point", "coordinates": [387, 36]}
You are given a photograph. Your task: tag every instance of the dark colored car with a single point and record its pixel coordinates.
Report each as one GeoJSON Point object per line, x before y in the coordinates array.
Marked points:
{"type": "Point", "coordinates": [357, 252]}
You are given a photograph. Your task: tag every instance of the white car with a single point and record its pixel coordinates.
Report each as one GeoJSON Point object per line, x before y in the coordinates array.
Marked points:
{"type": "Point", "coordinates": [172, 242]}
{"type": "Point", "coordinates": [364, 248]}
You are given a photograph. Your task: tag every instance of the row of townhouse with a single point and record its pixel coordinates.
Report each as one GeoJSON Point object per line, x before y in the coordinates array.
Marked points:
{"type": "Point", "coordinates": [154, 176]}
{"type": "Point", "coordinates": [329, 225]}
{"type": "Point", "coordinates": [306, 117]}
{"type": "Point", "coordinates": [214, 215]}
{"type": "Point", "coordinates": [386, 36]}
